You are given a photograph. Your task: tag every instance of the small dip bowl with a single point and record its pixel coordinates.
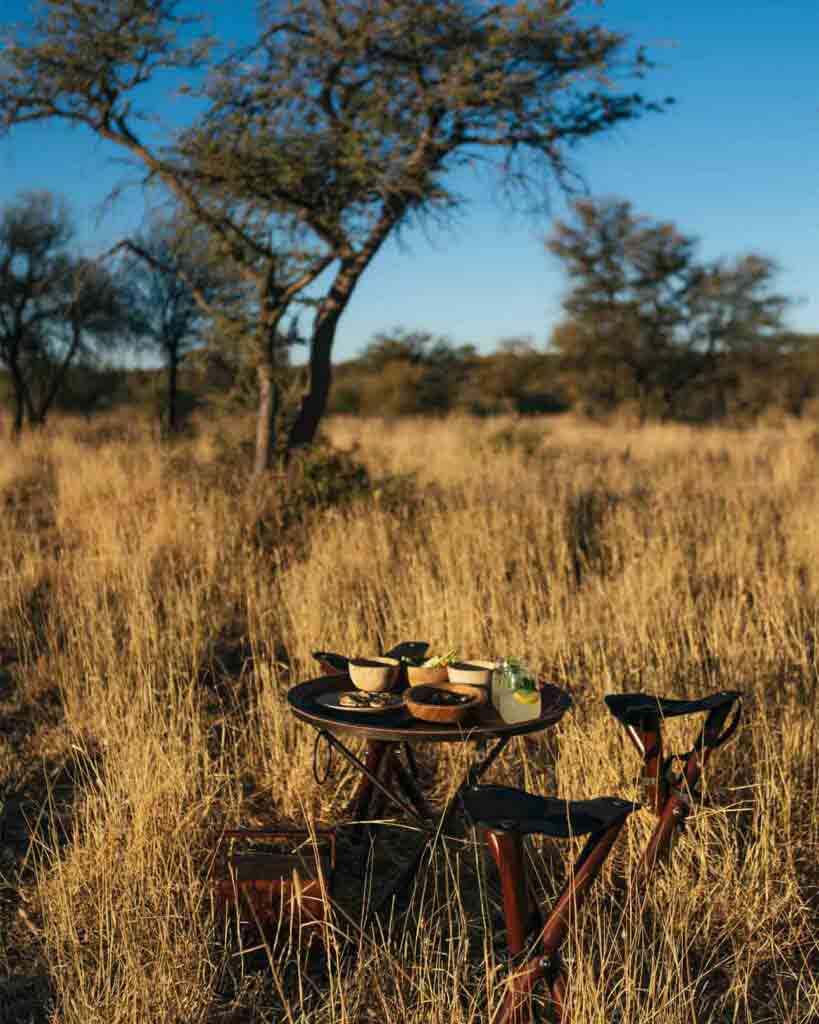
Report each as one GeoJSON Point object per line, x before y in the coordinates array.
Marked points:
{"type": "Point", "coordinates": [374, 674]}
{"type": "Point", "coordinates": [420, 702]}
{"type": "Point", "coordinates": [417, 675]}
{"type": "Point", "coordinates": [472, 673]}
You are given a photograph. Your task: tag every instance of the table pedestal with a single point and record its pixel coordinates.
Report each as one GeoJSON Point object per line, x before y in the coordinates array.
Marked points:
{"type": "Point", "coordinates": [381, 771]}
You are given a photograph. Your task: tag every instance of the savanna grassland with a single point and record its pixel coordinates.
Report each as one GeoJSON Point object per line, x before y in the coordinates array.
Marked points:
{"type": "Point", "coordinates": [154, 611]}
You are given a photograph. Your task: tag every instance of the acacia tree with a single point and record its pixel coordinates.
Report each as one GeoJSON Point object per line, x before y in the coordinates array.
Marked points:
{"type": "Point", "coordinates": [647, 319]}
{"type": "Point", "coordinates": [54, 307]}
{"type": "Point", "coordinates": [165, 270]}
{"type": "Point", "coordinates": [341, 122]}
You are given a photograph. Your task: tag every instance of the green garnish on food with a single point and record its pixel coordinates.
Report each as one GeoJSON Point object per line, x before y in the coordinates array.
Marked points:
{"type": "Point", "coordinates": [440, 660]}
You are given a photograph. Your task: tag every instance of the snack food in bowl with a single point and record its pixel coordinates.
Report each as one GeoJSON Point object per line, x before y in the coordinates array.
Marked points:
{"type": "Point", "coordinates": [445, 703]}
{"type": "Point", "coordinates": [417, 675]}
{"type": "Point", "coordinates": [431, 671]}
{"type": "Point", "coordinates": [471, 673]}
{"type": "Point", "coordinates": [374, 674]}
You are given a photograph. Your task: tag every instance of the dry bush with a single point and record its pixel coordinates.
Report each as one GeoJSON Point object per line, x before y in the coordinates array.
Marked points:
{"type": "Point", "coordinates": [155, 611]}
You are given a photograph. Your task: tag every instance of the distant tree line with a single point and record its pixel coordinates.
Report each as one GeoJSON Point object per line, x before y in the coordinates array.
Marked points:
{"type": "Point", "coordinates": [406, 372]}
{"type": "Point", "coordinates": [648, 328]}
{"type": "Point", "coordinates": [521, 379]}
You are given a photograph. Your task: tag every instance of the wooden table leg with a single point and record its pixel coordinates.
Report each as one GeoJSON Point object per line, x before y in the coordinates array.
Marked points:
{"type": "Point", "coordinates": [413, 765]}
{"type": "Point", "coordinates": [411, 789]}
{"type": "Point", "coordinates": [377, 798]}
{"type": "Point", "coordinates": [358, 806]}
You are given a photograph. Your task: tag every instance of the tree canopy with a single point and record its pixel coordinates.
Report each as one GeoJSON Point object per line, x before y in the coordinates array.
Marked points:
{"type": "Point", "coordinates": [171, 282]}
{"type": "Point", "coordinates": [340, 123]}
{"type": "Point", "coordinates": [55, 306]}
{"type": "Point", "coordinates": [645, 314]}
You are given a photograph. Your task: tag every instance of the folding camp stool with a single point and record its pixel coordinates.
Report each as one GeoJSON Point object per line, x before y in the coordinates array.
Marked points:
{"type": "Point", "coordinates": [281, 882]}
{"type": "Point", "coordinates": [670, 794]}
{"type": "Point", "coordinates": [506, 816]}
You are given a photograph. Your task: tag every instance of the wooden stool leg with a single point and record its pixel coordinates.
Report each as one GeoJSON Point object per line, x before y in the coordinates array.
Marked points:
{"type": "Point", "coordinates": [517, 1006]}
{"type": "Point", "coordinates": [674, 807]}
{"type": "Point", "coordinates": [507, 850]}
{"type": "Point", "coordinates": [672, 818]}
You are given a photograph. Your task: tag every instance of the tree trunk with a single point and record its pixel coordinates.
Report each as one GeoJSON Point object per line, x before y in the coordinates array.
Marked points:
{"type": "Point", "coordinates": [21, 403]}
{"type": "Point", "coordinates": [265, 418]}
{"type": "Point", "coordinates": [173, 366]}
{"type": "Point", "coordinates": [17, 422]}
{"type": "Point", "coordinates": [314, 402]}
{"type": "Point", "coordinates": [37, 417]}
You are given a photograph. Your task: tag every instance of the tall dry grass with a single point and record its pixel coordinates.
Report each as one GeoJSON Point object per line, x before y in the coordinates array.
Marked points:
{"type": "Point", "coordinates": [153, 615]}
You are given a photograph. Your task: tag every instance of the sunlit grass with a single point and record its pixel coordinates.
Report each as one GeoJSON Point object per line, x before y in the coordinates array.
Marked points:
{"type": "Point", "coordinates": [164, 612]}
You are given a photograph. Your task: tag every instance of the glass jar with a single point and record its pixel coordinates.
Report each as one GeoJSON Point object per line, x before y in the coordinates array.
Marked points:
{"type": "Point", "coordinates": [511, 680]}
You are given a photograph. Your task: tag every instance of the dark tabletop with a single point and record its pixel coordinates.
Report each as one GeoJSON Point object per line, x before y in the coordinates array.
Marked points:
{"type": "Point", "coordinates": [399, 726]}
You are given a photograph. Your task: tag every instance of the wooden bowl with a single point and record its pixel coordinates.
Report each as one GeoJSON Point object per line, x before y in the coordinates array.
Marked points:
{"type": "Point", "coordinates": [430, 676]}
{"type": "Point", "coordinates": [442, 713]}
{"type": "Point", "coordinates": [374, 674]}
{"type": "Point", "coordinates": [472, 673]}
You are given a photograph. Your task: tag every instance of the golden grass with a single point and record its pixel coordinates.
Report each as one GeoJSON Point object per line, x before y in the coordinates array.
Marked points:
{"type": "Point", "coordinates": [153, 616]}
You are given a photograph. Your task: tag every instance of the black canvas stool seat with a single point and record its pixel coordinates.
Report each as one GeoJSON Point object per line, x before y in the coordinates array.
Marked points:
{"type": "Point", "coordinates": [629, 708]}
{"type": "Point", "coordinates": [513, 810]}
{"type": "Point", "coordinates": [506, 816]}
{"type": "Point", "coordinates": [669, 794]}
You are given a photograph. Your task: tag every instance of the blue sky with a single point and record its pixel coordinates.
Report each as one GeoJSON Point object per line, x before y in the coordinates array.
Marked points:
{"type": "Point", "coordinates": [735, 162]}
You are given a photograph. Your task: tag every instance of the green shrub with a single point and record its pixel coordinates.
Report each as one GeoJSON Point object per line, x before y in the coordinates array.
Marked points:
{"type": "Point", "coordinates": [325, 476]}
{"type": "Point", "coordinates": [526, 439]}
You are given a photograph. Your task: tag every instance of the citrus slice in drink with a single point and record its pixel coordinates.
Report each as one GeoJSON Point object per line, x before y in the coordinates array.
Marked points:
{"type": "Point", "coordinates": [526, 696]}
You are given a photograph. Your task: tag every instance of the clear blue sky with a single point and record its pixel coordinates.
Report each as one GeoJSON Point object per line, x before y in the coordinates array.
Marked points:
{"type": "Point", "coordinates": [735, 162]}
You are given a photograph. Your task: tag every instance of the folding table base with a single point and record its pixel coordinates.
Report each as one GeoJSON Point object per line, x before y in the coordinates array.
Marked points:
{"type": "Point", "coordinates": [383, 775]}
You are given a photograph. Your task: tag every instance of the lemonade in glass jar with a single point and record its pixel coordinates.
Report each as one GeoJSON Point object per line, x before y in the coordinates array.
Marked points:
{"type": "Point", "coordinates": [515, 692]}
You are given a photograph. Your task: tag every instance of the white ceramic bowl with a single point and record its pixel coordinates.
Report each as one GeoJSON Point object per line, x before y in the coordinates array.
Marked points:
{"type": "Point", "coordinates": [472, 673]}
{"type": "Point", "coordinates": [374, 674]}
